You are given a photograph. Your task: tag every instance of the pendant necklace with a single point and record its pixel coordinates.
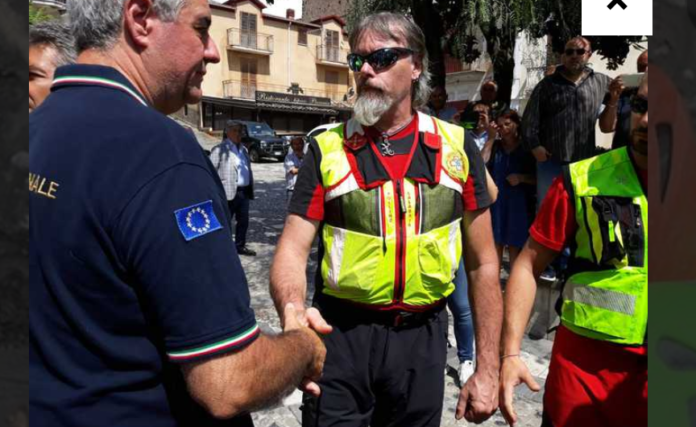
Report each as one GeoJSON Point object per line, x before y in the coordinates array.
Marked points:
{"type": "Point", "coordinates": [385, 146]}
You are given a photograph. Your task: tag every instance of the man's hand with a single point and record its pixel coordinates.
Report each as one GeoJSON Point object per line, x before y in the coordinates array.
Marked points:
{"type": "Point", "coordinates": [513, 373]}
{"type": "Point", "coordinates": [615, 88]}
{"type": "Point", "coordinates": [514, 179]}
{"type": "Point", "coordinates": [310, 318]}
{"type": "Point", "coordinates": [478, 399]}
{"type": "Point", "coordinates": [492, 131]}
{"type": "Point", "coordinates": [541, 154]}
{"type": "Point", "coordinates": [293, 321]}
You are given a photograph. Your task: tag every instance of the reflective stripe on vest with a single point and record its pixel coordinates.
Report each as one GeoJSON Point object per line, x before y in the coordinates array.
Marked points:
{"type": "Point", "coordinates": [402, 242]}
{"type": "Point", "coordinates": [608, 301]}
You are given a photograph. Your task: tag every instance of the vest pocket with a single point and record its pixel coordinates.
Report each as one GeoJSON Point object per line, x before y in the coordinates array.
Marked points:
{"type": "Point", "coordinates": [351, 263]}
{"type": "Point", "coordinates": [621, 231]}
{"type": "Point", "coordinates": [607, 302]}
{"type": "Point", "coordinates": [439, 252]}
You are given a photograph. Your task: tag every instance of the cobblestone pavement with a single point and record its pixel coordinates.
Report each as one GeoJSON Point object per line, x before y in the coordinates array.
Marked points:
{"type": "Point", "coordinates": [266, 223]}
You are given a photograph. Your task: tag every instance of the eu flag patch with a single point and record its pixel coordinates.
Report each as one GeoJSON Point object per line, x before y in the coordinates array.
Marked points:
{"type": "Point", "coordinates": [197, 220]}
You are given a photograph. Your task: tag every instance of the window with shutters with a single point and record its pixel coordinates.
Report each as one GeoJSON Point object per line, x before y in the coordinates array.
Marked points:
{"type": "Point", "coordinates": [248, 36]}
{"type": "Point", "coordinates": [302, 36]}
{"type": "Point", "coordinates": [331, 45]}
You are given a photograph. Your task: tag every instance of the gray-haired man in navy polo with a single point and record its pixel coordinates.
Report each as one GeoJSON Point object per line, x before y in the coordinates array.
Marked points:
{"type": "Point", "coordinates": [141, 311]}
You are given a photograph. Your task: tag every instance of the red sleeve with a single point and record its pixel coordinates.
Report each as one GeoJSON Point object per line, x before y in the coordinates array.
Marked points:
{"type": "Point", "coordinates": [555, 222]}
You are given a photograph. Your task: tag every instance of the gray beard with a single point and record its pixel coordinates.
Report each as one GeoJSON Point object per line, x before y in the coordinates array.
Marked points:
{"type": "Point", "coordinates": [370, 107]}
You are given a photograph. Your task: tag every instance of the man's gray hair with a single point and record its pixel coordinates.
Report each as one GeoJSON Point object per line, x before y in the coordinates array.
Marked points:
{"type": "Point", "coordinates": [58, 35]}
{"type": "Point", "coordinates": [97, 24]}
{"type": "Point", "coordinates": [401, 29]}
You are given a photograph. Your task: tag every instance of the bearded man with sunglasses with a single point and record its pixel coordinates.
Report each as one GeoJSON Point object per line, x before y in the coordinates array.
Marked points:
{"type": "Point", "coordinates": [559, 120]}
{"type": "Point", "coordinates": [599, 365]}
{"type": "Point", "coordinates": [387, 192]}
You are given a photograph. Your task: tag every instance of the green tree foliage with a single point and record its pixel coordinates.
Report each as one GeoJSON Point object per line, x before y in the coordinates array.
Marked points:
{"type": "Point", "coordinates": [451, 26]}
{"type": "Point", "coordinates": [36, 14]}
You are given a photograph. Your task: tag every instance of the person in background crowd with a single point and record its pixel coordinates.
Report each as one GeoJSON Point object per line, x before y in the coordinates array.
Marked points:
{"type": "Point", "coordinates": [231, 160]}
{"type": "Point", "coordinates": [145, 315]}
{"type": "Point", "coordinates": [558, 125]}
{"type": "Point", "coordinates": [293, 161]}
{"type": "Point", "coordinates": [514, 172]}
{"type": "Point", "coordinates": [617, 118]}
{"type": "Point", "coordinates": [437, 106]}
{"type": "Point", "coordinates": [598, 374]}
{"type": "Point", "coordinates": [489, 96]}
{"type": "Point", "coordinates": [383, 282]}
{"type": "Point", "coordinates": [480, 132]}
{"type": "Point", "coordinates": [51, 45]}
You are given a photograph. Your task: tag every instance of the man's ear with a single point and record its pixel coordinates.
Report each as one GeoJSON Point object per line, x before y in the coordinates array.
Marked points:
{"type": "Point", "coordinates": [138, 17]}
{"type": "Point", "coordinates": [417, 69]}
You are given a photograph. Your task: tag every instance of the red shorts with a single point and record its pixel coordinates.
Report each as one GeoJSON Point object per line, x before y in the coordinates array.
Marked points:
{"type": "Point", "coordinates": [596, 383]}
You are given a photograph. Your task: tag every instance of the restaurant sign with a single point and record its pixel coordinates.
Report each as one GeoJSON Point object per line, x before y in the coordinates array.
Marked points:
{"type": "Point", "coordinates": [291, 99]}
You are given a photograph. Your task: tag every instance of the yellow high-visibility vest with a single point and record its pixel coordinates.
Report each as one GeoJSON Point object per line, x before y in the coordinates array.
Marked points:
{"type": "Point", "coordinates": [392, 243]}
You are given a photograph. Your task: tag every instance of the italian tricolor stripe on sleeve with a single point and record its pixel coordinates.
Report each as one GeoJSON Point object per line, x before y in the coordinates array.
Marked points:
{"type": "Point", "coordinates": [236, 341]}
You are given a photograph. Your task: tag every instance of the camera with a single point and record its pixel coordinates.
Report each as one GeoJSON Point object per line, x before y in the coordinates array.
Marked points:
{"type": "Point", "coordinates": [470, 119]}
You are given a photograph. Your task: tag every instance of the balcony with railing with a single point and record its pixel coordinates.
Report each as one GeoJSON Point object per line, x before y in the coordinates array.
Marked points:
{"type": "Point", "coordinates": [247, 90]}
{"type": "Point", "coordinates": [249, 41]}
{"type": "Point", "coordinates": [332, 56]}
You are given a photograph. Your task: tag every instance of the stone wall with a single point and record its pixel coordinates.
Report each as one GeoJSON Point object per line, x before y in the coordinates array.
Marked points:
{"type": "Point", "coordinates": [315, 9]}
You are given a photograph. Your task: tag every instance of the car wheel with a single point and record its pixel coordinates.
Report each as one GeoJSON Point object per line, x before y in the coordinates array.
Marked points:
{"type": "Point", "coordinates": [254, 155]}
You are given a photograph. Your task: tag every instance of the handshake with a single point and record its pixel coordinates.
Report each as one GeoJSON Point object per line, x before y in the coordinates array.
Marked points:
{"type": "Point", "coordinates": [310, 325]}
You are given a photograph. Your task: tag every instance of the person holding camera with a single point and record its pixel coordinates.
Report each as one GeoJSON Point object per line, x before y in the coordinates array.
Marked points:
{"type": "Point", "coordinates": [477, 121]}
{"type": "Point", "coordinates": [616, 117]}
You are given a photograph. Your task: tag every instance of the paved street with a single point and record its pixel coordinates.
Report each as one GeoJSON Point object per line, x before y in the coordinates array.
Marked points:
{"type": "Point", "coordinates": [267, 217]}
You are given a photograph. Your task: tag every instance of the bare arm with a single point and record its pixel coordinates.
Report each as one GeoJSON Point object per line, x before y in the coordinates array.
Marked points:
{"type": "Point", "coordinates": [288, 277]}
{"type": "Point", "coordinates": [259, 374]}
{"type": "Point", "coordinates": [478, 399]}
{"type": "Point", "coordinates": [492, 188]}
{"type": "Point", "coordinates": [488, 146]}
{"type": "Point", "coordinates": [608, 118]}
{"type": "Point", "coordinates": [483, 269]}
{"type": "Point", "coordinates": [519, 299]}
{"type": "Point", "coordinates": [521, 290]}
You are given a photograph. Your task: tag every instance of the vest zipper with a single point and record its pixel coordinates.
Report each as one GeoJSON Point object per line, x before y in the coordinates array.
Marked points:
{"type": "Point", "coordinates": [637, 212]}
{"type": "Point", "coordinates": [400, 284]}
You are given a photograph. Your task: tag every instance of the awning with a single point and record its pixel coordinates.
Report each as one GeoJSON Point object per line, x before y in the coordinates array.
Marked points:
{"type": "Point", "coordinates": [232, 102]}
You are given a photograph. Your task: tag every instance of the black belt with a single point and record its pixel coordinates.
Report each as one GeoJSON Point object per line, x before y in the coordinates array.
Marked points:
{"type": "Point", "coordinates": [336, 309]}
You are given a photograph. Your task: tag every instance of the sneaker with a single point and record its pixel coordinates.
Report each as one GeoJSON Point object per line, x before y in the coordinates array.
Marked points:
{"type": "Point", "coordinates": [244, 250]}
{"type": "Point", "coordinates": [548, 275]}
{"type": "Point", "coordinates": [466, 370]}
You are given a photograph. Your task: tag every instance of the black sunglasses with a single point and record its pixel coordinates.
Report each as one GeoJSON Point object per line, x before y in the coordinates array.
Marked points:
{"type": "Point", "coordinates": [639, 104]}
{"type": "Point", "coordinates": [580, 51]}
{"type": "Point", "coordinates": [378, 59]}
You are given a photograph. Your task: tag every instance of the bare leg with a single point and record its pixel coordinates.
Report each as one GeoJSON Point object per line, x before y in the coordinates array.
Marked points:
{"type": "Point", "coordinates": [499, 249]}
{"type": "Point", "coordinates": [514, 252]}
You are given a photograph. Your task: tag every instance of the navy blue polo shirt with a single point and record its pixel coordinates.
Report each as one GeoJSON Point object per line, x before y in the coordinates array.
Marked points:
{"type": "Point", "coordinates": [133, 267]}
